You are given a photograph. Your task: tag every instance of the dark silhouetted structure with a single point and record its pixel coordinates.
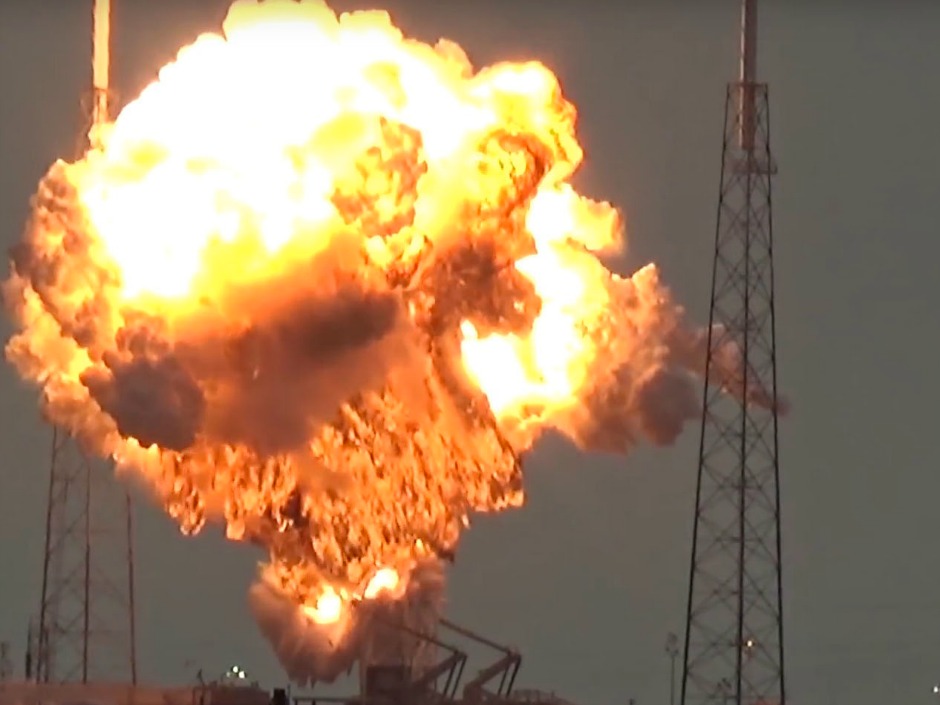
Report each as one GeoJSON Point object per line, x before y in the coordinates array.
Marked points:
{"type": "Point", "coordinates": [86, 613]}
{"type": "Point", "coordinates": [734, 632]}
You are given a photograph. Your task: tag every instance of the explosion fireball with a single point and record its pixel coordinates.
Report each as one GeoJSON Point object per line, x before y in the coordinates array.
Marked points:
{"type": "Point", "coordinates": [325, 285]}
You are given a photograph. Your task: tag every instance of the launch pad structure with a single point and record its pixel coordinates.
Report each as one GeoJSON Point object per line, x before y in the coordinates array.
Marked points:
{"type": "Point", "coordinates": [734, 620]}
{"type": "Point", "coordinates": [86, 626]}
{"type": "Point", "coordinates": [404, 683]}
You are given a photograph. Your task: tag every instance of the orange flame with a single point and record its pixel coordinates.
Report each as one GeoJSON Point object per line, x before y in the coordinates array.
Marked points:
{"type": "Point", "coordinates": [325, 284]}
{"type": "Point", "coordinates": [223, 175]}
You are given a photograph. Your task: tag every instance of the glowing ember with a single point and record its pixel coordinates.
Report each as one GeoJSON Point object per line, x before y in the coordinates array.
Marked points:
{"type": "Point", "coordinates": [328, 609]}
{"type": "Point", "coordinates": [325, 284]}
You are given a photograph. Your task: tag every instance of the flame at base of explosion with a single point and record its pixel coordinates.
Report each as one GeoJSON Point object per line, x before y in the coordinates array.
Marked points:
{"type": "Point", "coordinates": [369, 630]}
{"type": "Point", "coordinates": [332, 309]}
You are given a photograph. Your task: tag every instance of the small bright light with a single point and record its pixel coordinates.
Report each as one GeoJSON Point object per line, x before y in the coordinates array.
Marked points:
{"type": "Point", "coordinates": [936, 689]}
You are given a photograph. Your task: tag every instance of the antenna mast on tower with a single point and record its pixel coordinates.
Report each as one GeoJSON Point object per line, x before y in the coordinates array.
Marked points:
{"type": "Point", "coordinates": [734, 627]}
{"type": "Point", "coordinates": [86, 615]}
{"type": "Point", "coordinates": [101, 64]}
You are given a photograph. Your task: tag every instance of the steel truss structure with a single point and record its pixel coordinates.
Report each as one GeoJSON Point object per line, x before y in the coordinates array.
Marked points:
{"type": "Point", "coordinates": [734, 626]}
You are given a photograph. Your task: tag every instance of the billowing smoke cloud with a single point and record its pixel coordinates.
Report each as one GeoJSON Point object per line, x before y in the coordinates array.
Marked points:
{"type": "Point", "coordinates": [331, 310]}
{"type": "Point", "coordinates": [150, 398]}
{"type": "Point", "coordinates": [382, 630]}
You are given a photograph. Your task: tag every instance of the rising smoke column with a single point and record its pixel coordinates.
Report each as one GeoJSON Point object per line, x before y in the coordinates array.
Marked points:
{"type": "Point", "coordinates": [325, 285]}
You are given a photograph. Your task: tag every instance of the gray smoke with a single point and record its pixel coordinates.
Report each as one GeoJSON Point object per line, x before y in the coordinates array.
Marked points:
{"type": "Point", "coordinates": [367, 633]}
{"type": "Point", "coordinates": [154, 400]}
{"type": "Point", "coordinates": [646, 381]}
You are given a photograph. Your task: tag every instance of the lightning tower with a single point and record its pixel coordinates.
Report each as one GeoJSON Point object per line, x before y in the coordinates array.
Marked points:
{"type": "Point", "coordinates": [86, 615]}
{"type": "Point", "coordinates": [734, 627]}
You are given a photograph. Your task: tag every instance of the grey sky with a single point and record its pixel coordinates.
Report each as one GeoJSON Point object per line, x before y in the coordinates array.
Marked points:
{"type": "Point", "coordinates": [589, 577]}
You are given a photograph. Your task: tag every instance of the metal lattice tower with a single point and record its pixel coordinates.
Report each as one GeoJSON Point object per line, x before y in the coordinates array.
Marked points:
{"type": "Point", "coordinates": [86, 630]}
{"type": "Point", "coordinates": [86, 616]}
{"type": "Point", "coordinates": [734, 627]}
